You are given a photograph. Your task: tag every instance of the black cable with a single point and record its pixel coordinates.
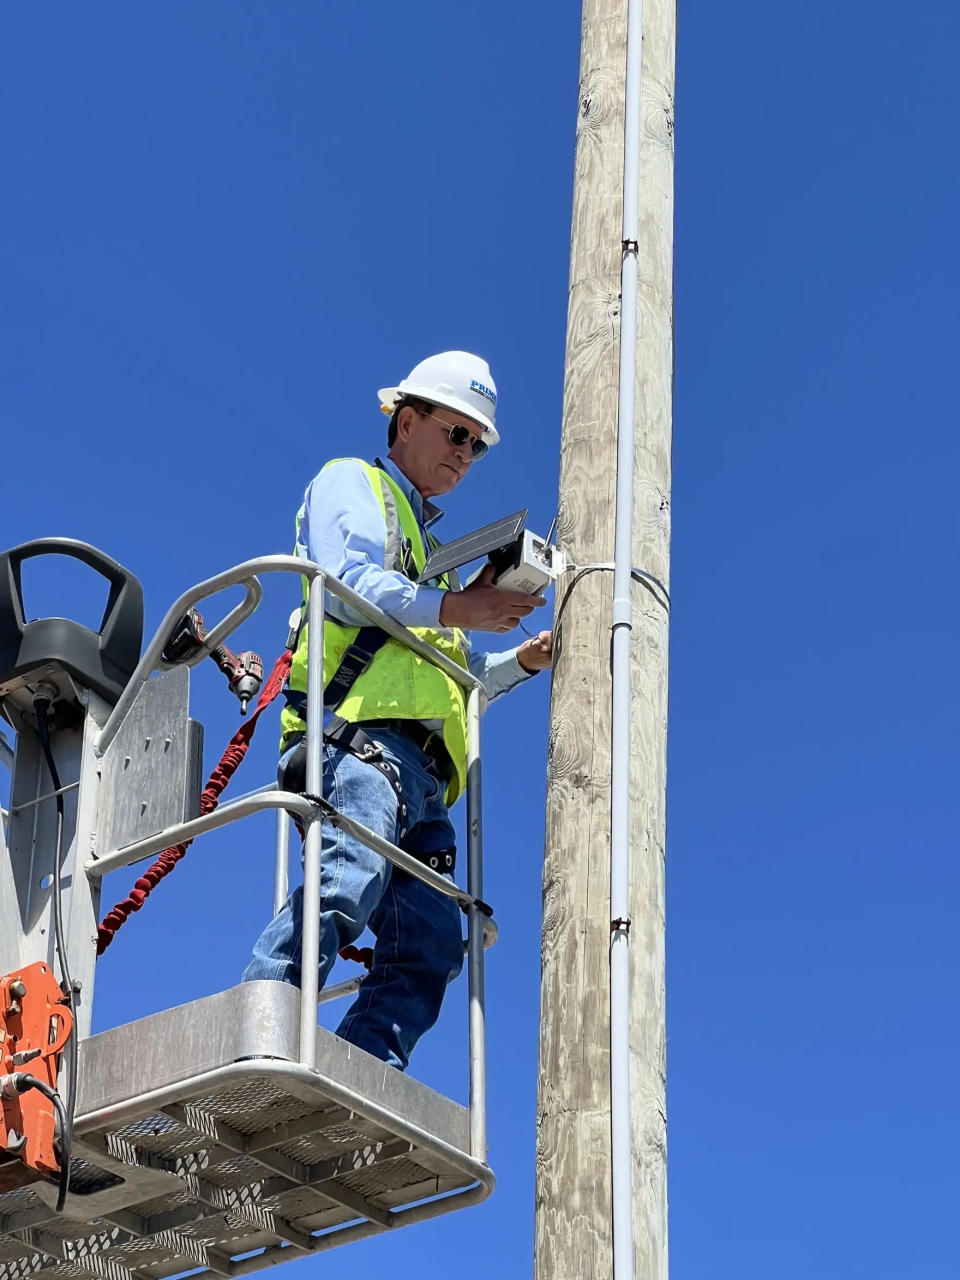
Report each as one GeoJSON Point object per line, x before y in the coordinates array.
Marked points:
{"type": "Point", "coordinates": [57, 786]}
{"type": "Point", "coordinates": [563, 601]}
{"type": "Point", "coordinates": [645, 579]}
{"type": "Point", "coordinates": [66, 1111]}
{"type": "Point", "coordinates": [638, 575]}
{"type": "Point", "coordinates": [22, 1081]}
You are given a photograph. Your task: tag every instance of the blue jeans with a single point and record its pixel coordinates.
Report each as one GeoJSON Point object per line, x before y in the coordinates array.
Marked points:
{"type": "Point", "coordinates": [419, 943]}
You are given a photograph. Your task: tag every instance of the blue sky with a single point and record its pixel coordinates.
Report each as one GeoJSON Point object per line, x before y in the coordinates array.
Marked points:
{"type": "Point", "coordinates": [223, 226]}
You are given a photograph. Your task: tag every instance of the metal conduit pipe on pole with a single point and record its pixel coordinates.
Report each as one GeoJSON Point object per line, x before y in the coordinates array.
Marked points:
{"type": "Point", "coordinates": [601, 1134]}
{"type": "Point", "coordinates": [621, 1146]}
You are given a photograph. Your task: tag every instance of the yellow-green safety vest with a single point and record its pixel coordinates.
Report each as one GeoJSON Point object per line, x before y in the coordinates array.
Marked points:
{"type": "Point", "coordinates": [398, 684]}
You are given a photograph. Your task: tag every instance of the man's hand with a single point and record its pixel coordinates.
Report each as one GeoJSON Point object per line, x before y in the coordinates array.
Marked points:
{"type": "Point", "coordinates": [482, 607]}
{"type": "Point", "coordinates": [536, 654]}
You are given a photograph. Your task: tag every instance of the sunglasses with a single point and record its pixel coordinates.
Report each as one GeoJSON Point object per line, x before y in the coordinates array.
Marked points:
{"type": "Point", "coordinates": [459, 435]}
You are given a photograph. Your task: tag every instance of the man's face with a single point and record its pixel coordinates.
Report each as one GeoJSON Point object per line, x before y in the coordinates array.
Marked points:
{"type": "Point", "coordinates": [425, 453]}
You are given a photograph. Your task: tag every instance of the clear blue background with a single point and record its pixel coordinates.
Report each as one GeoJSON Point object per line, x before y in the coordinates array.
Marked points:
{"type": "Point", "coordinates": [223, 226]}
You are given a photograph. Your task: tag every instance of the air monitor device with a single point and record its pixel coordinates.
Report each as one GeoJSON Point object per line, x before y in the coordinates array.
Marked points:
{"type": "Point", "coordinates": [522, 561]}
{"type": "Point", "coordinates": [529, 564]}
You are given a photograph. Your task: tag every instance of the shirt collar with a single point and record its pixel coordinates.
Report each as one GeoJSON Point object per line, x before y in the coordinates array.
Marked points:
{"type": "Point", "coordinates": [425, 511]}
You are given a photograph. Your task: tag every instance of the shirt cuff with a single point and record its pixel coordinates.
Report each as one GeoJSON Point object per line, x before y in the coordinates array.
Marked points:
{"type": "Point", "coordinates": [422, 609]}
{"type": "Point", "coordinates": [498, 672]}
{"type": "Point", "coordinates": [514, 666]}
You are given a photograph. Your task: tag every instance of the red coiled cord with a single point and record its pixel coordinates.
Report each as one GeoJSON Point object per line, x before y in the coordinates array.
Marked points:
{"type": "Point", "coordinates": [210, 798]}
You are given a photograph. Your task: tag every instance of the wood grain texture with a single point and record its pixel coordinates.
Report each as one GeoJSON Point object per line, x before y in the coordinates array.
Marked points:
{"type": "Point", "coordinates": [573, 1224]}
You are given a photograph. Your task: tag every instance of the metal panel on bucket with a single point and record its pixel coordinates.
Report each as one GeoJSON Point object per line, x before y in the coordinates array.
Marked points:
{"type": "Point", "coordinates": [150, 776]}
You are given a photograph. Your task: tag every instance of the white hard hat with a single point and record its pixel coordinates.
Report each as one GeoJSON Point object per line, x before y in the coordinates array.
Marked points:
{"type": "Point", "coordinates": [456, 380]}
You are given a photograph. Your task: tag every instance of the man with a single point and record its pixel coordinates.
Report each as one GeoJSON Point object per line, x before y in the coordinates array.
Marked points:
{"type": "Point", "coordinates": [370, 526]}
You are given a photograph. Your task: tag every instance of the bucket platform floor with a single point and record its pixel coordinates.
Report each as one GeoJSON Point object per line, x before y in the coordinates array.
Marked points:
{"type": "Point", "coordinates": [202, 1145]}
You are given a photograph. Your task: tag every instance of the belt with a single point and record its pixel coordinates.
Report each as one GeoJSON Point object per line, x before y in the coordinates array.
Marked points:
{"type": "Point", "coordinates": [430, 742]}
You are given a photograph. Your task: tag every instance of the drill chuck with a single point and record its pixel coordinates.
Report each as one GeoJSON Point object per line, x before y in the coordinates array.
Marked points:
{"type": "Point", "coordinates": [246, 687]}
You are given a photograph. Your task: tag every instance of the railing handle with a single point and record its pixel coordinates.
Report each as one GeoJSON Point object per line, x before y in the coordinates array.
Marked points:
{"type": "Point", "coordinates": [245, 575]}
{"type": "Point", "coordinates": [253, 594]}
{"type": "Point", "coordinates": [152, 659]}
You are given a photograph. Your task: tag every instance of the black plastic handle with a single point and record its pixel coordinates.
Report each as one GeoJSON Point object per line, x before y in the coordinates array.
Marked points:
{"type": "Point", "coordinates": [121, 629]}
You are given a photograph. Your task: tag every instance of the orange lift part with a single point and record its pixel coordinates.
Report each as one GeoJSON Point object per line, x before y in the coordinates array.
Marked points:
{"type": "Point", "coordinates": [35, 1024]}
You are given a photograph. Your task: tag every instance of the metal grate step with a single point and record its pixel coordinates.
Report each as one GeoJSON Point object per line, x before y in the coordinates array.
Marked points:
{"type": "Point", "coordinates": [231, 1155]}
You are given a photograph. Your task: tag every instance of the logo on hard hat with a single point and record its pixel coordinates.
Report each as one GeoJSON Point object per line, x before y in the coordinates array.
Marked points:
{"type": "Point", "coordinates": [481, 390]}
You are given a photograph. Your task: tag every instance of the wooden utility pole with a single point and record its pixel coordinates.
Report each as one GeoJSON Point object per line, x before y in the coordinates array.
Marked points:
{"type": "Point", "coordinates": [573, 1204]}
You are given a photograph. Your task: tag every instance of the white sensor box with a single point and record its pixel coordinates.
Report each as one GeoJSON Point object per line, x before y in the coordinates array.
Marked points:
{"type": "Point", "coordinates": [529, 565]}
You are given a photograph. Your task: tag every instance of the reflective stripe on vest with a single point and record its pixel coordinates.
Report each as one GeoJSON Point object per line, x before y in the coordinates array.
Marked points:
{"type": "Point", "coordinates": [398, 684]}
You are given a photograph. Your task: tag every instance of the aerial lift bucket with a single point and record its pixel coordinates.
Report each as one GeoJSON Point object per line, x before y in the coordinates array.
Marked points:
{"type": "Point", "coordinates": [230, 1133]}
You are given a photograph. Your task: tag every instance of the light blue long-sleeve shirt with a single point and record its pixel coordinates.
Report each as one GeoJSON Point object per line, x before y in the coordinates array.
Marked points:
{"type": "Point", "coordinates": [341, 527]}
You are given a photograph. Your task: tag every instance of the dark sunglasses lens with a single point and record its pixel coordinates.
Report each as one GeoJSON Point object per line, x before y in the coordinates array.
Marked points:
{"type": "Point", "coordinates": [460, 435]}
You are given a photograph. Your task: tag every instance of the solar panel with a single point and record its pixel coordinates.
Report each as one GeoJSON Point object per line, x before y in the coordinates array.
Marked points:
{"type": "Point", "coordinates": [474, 545]}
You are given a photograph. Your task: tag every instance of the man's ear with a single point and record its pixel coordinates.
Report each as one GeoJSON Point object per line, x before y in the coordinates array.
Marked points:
{"type": "Point", "coordinates": [405, 420]}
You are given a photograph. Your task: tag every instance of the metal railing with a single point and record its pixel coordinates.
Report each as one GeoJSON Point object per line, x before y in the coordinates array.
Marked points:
{"type": "Point", "coordinates": [481, 930]}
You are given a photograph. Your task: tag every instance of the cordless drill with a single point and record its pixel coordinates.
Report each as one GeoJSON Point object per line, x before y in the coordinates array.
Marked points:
{"type": "Point", "coordinates": [244, 671]}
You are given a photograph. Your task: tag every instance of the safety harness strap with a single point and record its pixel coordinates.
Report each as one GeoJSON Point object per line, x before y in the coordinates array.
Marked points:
{"type": "Point", "coordinates": [356, 658]}
{"type": "Point", "coordinates": [342, 733]}
{"type": "Point", "coordinates": [352, 738]}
